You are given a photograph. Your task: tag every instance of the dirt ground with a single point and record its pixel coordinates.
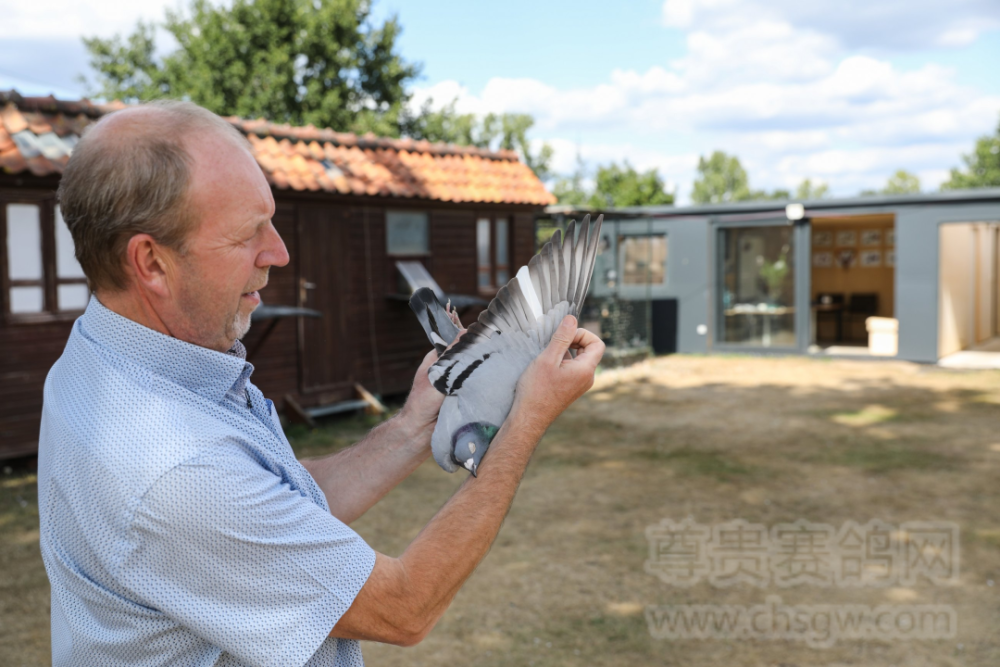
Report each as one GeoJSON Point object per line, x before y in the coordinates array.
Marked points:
{"type": "Point", "coordinates": [710, 438]}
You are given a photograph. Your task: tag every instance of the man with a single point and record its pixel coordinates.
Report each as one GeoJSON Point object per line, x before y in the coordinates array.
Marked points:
{"type": "Point", "coordinates": [177, 526]}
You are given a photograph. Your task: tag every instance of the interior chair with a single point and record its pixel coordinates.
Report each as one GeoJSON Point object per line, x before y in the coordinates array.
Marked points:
{"type": "Point", "coordinates": [833, 315]}
{"type": "Point", "coordinates": [860, 307]}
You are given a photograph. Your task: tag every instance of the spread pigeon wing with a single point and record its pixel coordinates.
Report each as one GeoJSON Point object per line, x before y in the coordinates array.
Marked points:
{"type": "Point", "coordinates": [479, 373]}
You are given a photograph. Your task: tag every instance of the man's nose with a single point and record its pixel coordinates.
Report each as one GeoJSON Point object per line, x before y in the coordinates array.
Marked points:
{"type": "Point", "coordinates": [274, 252]}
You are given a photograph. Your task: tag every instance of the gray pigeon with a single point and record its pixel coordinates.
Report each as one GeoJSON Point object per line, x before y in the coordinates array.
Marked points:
{"type": "Point", "coordinates": [479, 373]}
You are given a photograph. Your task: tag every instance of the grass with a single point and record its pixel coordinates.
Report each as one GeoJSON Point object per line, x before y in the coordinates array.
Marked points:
{"type": "Point", "coordinates": [763, 439]}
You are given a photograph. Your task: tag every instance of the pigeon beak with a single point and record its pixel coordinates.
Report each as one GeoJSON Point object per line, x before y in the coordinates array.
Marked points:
{"type": "Point", "coordinates": [473, 470]}
{"type": "Point", "coordinates": [470, 465]}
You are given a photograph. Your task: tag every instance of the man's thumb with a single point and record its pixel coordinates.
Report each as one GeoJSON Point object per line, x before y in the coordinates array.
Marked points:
{"type": "Point", "coordinates": [561, 339]}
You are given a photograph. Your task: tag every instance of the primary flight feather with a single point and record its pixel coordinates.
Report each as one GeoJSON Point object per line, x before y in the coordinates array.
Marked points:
{"type": "Point", "coordinates": [479, 373]}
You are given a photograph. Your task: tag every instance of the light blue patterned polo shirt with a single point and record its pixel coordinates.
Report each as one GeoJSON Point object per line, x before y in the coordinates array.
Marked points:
{"type": "Point", "coordinates": [177, 528]}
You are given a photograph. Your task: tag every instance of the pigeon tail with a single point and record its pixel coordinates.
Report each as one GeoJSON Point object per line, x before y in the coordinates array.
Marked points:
{"type": "Point", "coordinates": [437, 322]}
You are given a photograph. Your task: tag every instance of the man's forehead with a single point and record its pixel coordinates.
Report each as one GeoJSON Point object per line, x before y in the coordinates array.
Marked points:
{"type": "Point", "coordinates": [223, 168]}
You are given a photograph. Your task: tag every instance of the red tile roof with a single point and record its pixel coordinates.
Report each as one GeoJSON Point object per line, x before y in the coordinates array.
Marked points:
{"type": "Point", "coordinates": [37, 135]}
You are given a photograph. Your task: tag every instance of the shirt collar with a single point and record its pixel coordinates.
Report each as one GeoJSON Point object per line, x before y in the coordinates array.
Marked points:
{"type": "Point", "coordinates": [206, 372]}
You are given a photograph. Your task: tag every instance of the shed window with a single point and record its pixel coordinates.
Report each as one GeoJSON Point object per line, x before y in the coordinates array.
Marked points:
{"type": "Point", "coordinates": [24, 258]}
{"type": "Point", "coordinates": [643, 259]}
{"type": "Point", "coordinates": [406, 233]}
{"type": "Point", "coordinates": [71, 286]}
{"type": "Point", "coordinates": [492, 252]}
{"type": "Point", "coordinates": [42, 274]}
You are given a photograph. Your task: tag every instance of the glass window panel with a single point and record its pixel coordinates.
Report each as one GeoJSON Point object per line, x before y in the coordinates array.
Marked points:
{"type": "Point", "coordinates": [73, 297]}
{"type": "Point", "coordinates": [24, 242]}
{"type": "Point", "coordinates": [502, 253]}
{"type": "Point", "coordinates": [25, 300]}
{"type": "Point", "coordinates": [406, 233]}
{"type": "Point", "coordinates": [758, 287]}
{"type": "Point", "coordinates": [483, 245]}
{"type": "Point", "coordinates": [66, 264]}
{"type": "Point", "coordinates": [644, 259]}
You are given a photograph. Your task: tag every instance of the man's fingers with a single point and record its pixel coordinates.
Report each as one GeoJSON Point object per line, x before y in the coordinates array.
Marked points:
{"type": "Point", "coordinates": [589, 347]}
{"type": "Point", "coordinates": [562, 338]}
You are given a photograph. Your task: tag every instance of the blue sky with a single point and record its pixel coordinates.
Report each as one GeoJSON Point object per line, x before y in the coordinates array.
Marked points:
{"type": "Point", "coordinates": [844, 92]}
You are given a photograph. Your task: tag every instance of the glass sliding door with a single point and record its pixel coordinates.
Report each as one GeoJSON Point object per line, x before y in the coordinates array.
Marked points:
{"type": "Point", "coordinates": [757, 289]}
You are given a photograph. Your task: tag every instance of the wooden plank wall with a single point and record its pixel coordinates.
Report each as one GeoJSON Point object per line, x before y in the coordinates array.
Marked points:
{"type": "Point", "coordinates": [27, 351]}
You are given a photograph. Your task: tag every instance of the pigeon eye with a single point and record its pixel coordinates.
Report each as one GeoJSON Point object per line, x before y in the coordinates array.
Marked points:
{"type": "Point", "coordinates": [472, 447]}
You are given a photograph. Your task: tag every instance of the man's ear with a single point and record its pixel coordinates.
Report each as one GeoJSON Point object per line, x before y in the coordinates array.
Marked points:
{"type": "Point", "coordinates": [149, 263]}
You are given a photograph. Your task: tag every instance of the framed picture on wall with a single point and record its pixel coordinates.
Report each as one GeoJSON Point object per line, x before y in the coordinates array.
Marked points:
{"type": "Point", "coordinates": [890, 237]}
{"type": "Point", "coordinates": [823, 239]}
{"type": "Point", "coordinates": [890, 257]}
{"type": "Point", "coordinates": [823, 260]}
{"type": "Point", "coordinates": [846, 258]}
{"type": "Point", "coordinates": [870, 237]}
{"type": "Point", "coordinates": [871, 259]}
{"type": "Point", "coordinates": [847, 238]}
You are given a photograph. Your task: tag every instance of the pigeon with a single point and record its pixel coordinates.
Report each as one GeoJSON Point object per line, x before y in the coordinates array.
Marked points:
{"type": "Point", "coordinates": [479, 373]}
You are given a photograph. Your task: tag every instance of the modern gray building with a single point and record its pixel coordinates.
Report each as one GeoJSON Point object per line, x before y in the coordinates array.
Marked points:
{"type": "Point", "coordinates": [805, 277]}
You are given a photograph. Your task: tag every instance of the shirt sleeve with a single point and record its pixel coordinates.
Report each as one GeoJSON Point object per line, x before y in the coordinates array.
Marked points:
{"type": "Point", "coordinates": [230, 551]}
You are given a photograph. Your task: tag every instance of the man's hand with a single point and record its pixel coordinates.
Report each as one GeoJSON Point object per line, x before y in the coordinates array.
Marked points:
{"type": "Point", "coordinates": [424, 402]}
{"type": "Point", "coordinates": [555, 379]}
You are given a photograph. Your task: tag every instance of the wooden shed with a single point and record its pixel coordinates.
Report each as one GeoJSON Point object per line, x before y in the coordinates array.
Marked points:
{"type": "Point", "coordinates": [350, 209]}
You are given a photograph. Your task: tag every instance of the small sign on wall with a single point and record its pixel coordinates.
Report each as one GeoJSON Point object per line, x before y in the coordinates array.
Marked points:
{"type": "Point", "coordinates": [890, 258]}
{"type": "Point", "coordinates": [890, 237]}
{"type": "Point", "coordinates": [847, 238]}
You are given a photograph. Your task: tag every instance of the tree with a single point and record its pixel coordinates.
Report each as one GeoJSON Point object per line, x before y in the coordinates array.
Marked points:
{"type": "Point", "coordinates": [571, 191]}
{"type": "Point", "coordinates": [615, 186]}
{"type": "Point", "coordinates": [507, 131]}
{"type": "Point", "coordinates": [902, 183]}
{"type": "Point", "coordinates": [982, 166]}
{"type": "Point", "coordinates": [624, 186]}
{"type": "Point", "coordinates": [295, 61]}
{"type": "Point", "coordinates": [722, 179]}
{"type": "Point", "coordinates": [807, 190]}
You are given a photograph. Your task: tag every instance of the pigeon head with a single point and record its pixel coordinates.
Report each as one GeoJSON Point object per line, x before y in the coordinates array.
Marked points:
{"type": "Point", "coordinates": [470, 442]}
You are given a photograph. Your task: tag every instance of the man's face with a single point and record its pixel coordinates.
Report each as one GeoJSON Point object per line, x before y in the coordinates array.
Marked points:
{"type": "Point", "coordinates": [230, 249]}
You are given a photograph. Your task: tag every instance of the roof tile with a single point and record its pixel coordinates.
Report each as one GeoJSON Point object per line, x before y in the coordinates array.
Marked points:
{"type": "Point", "coordinates": [300, 158]}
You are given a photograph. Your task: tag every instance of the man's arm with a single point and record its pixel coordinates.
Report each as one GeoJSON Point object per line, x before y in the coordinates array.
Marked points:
{"type": "Point", "coordinates": [404, 597]}
{"type": "Point", "coordinates": [356, 478]}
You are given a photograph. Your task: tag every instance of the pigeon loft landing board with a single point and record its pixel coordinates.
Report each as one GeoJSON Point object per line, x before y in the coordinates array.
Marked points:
{"type": "Point", "coordinates": [479, 373]}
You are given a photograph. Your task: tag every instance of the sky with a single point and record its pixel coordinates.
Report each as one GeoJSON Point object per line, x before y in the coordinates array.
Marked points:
{"type": "Point", "coordinates": [844, 92]}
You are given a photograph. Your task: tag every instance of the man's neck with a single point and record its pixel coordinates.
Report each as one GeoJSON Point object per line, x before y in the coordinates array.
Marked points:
{"type": "Point", "coordinates": [134, 307]}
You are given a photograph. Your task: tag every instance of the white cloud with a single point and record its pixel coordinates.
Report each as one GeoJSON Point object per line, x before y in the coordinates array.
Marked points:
{"type": "Point", "coordinates": [853, 24]}
{"type": "Point", "coordinates": [53, 19]}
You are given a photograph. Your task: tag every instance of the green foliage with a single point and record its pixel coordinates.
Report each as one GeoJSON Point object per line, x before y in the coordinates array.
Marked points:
{"type": "Point", "coordinates": [296, 61]}
{"type": "Point", "coordinates": [495, 131]}
{"type": "Point", "coordinates": [571, 190]}
{"type": "Point", "coordinates": [624, 186]}
{"type": "Point", "coordinates": [774, 274]}
{"type": "Point", "coordinates": [902, 183]}
{"type": "Point", "coordinates": [615, 186]}
{"type": "Point", "coordinates": [722, 179]}
{"type": "Point", "coordinates": [807, 190]}
{"type": "Point", "coordinates": [982, 166]}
